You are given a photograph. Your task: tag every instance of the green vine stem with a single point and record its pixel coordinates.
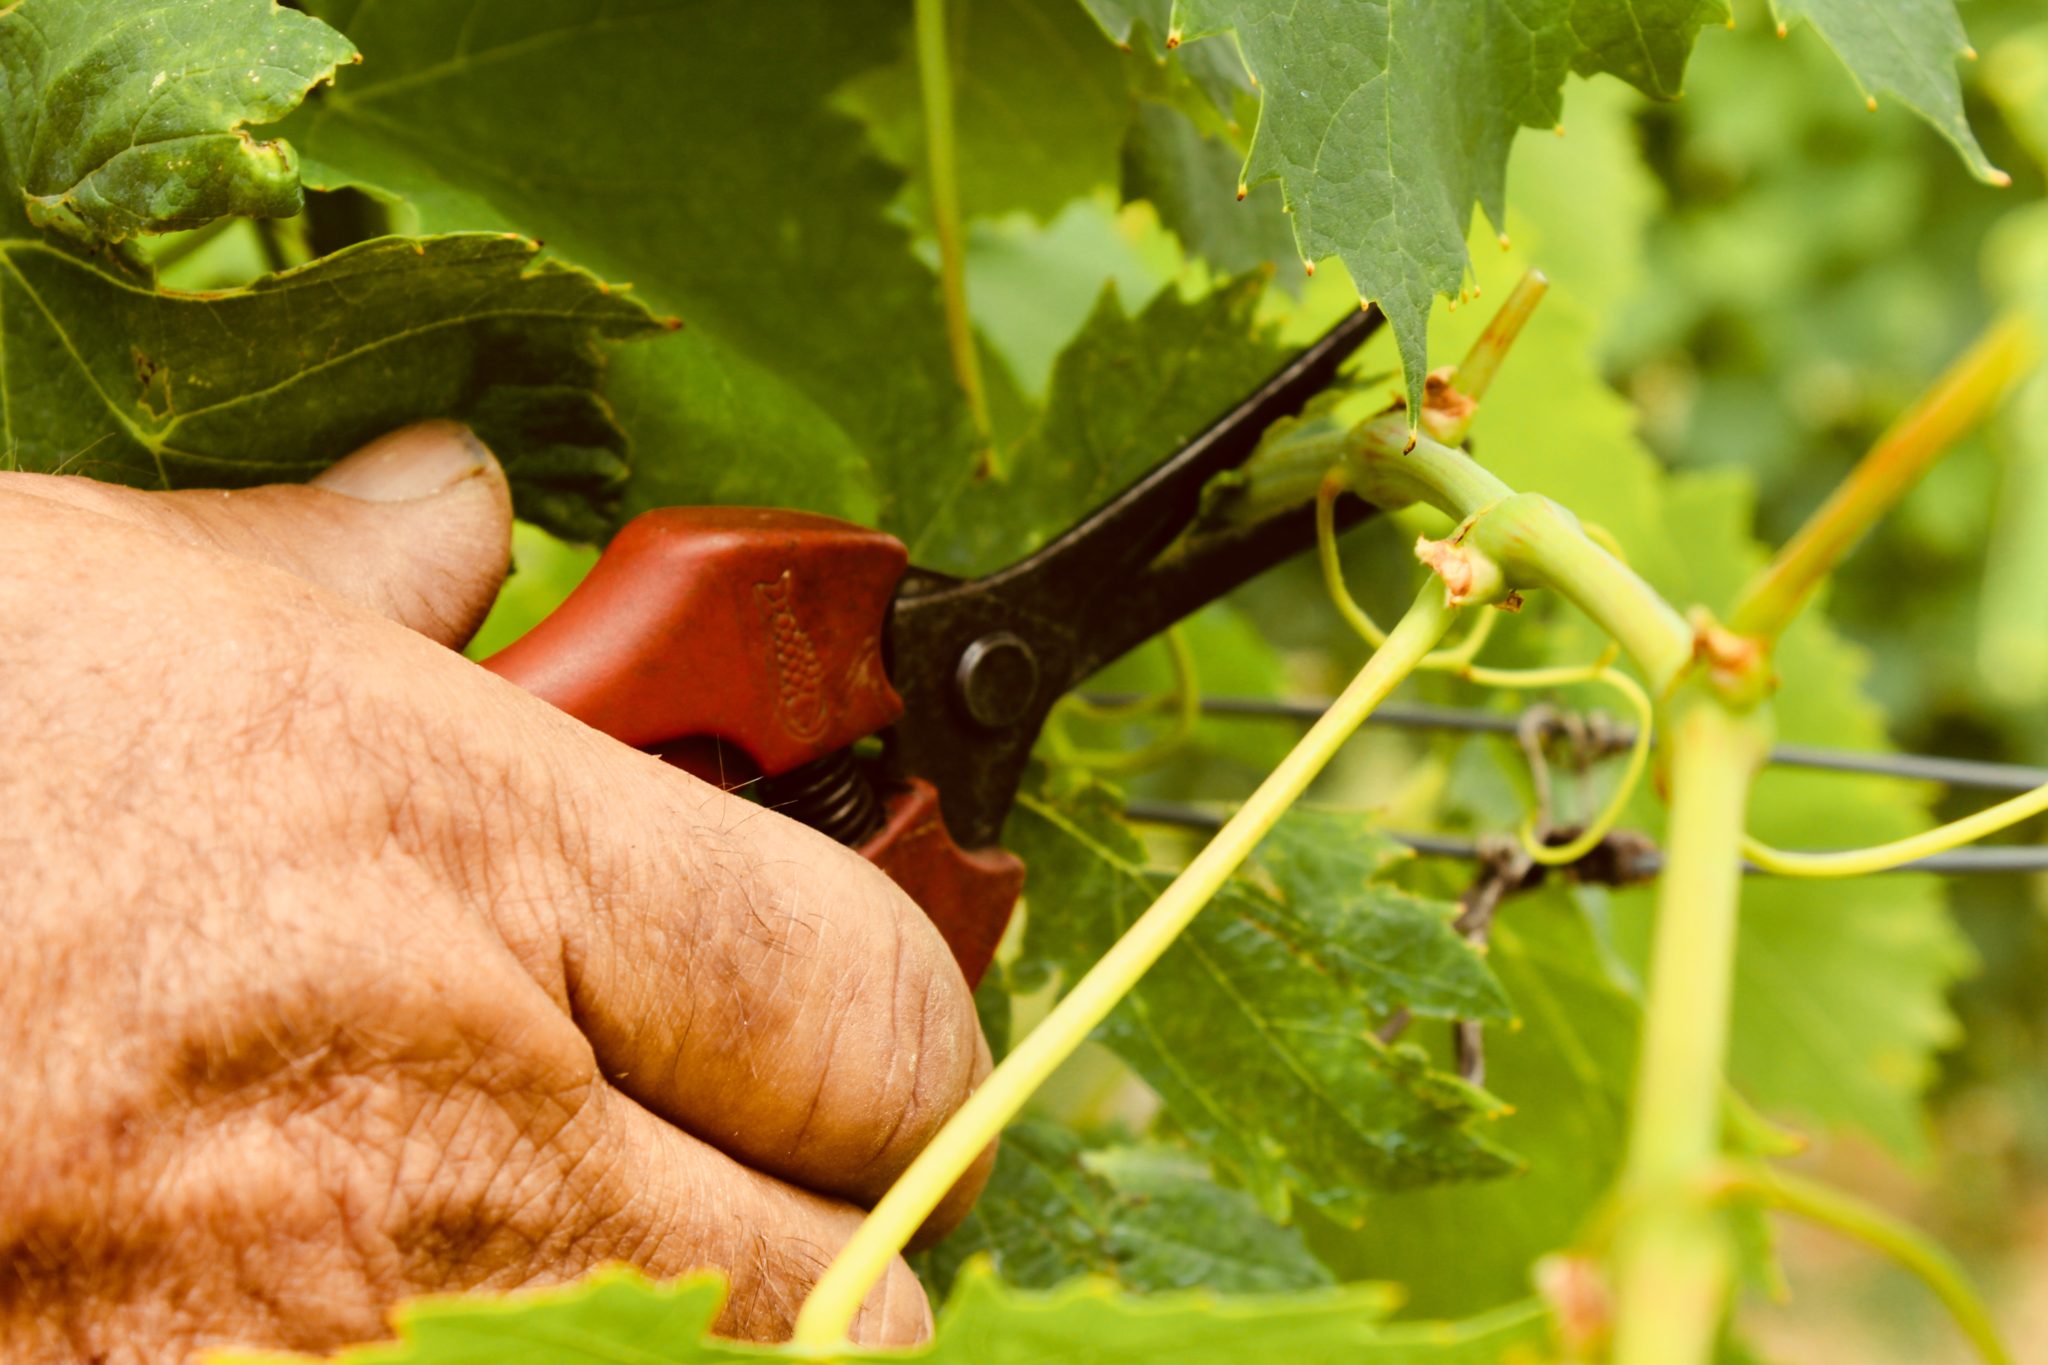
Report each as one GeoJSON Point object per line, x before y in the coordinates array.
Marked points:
{"type": "Point", "coordinates": [1482, 362]}
{"type": "Point", "coordinates": [1672, 1254]}
{"type": "Point", "coordinates": [1537, 542]}
{"type": "Point", "coordinates": [1901, 1242]}
{"type": "Point", "coordinates": [1961, 398]}
{"type": "Point", "coordinates": [833, 1303]}
{"type": "Point", "coordinates": [935, 81]}
{"type": "Point", "coordinates": [1540, 544]}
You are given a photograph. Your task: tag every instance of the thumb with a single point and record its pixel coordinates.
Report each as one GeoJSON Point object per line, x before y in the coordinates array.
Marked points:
{"type": "Point", "coordinates": [417, 526]}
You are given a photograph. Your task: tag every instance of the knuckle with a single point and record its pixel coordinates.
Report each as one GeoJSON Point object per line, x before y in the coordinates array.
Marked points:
{"type": "Point", "coordinates": [915, 1042]}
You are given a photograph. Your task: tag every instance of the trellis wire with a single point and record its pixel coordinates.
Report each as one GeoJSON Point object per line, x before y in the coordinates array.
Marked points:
{"type": "Point", "coordinates": [1957, 862]}
{"type": "Point", "coordinates": [1968, 773]}
{"type": "Point", "coordinates": [1962, 773]}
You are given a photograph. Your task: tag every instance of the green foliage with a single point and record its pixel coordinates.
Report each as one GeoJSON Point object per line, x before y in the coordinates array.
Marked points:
{"type": "Point", "coordinates": [617, 1316]}
{"type": "Point", "coordinates": [985, 1324]}
{"type": "Point", "coordinates": [1190, 176]}
{"type": "Point", "coordinates": [1328, 870]}
{"type": "Point", "coordinates": [126, 117]}
{"type": "Point", "coordinates": [1902, 48]}
{"type": "Point", "coordinates": [1126, 392]}
{"type": "Point", "coordinates": [1040, 102]}
{"type": "Point", "coordinates": [1565, 1073]}
{"type": "Point", "coordinates": [1146, 1219]}
{"type": "Point", "coordinates": [1293, 1093]}
{"type": "Point", "coordinates": [107, 375]}
{"type": "Point", "coordinates": [812, 369]}
{"type": "Point", "coordinates": [1384, 124]}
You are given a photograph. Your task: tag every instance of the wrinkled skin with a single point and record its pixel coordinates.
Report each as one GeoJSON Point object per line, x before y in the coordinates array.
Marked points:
{"type": "Point", "coordinates": [337, 970]}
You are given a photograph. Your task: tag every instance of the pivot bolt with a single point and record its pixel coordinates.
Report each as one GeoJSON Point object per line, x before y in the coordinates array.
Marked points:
{"type": "Point", "coordinates": [998, 679]}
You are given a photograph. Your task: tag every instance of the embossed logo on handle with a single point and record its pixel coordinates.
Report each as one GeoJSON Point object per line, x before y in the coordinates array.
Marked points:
{"type": "Point", "coordinates": [800, 705]}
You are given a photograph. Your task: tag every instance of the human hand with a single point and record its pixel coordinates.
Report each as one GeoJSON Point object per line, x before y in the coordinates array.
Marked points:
{"type": "Point", "coordinates": [339, 971]}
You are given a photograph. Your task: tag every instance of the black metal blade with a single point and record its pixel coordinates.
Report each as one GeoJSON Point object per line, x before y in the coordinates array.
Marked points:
{"type": "Point", "coordinates": [980, 662]}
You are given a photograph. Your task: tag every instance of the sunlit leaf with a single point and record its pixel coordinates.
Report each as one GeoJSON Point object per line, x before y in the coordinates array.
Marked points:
{"type": "Point", "coordinates": [126, 116]}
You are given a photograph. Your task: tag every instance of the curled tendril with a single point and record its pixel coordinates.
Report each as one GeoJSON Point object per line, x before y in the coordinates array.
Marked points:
{"type": "Point", "coordinates": [1559, 855]}
{"type": "Point", "coordinates": [1857, 862]}
{"type": "Point", "coordinates": [1333, 486]}
{"type": "Point", "coordinates": [1184, 701]}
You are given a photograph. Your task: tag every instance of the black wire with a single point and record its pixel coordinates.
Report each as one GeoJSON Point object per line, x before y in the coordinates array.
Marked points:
{"type": "Point", "coordinates": [1964, 773]}
{"type": "Point", "coordinates": [1956, 862]}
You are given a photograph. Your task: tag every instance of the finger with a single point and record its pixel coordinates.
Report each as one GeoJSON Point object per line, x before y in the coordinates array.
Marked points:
{"type": "Point", "coordinates": [759, 985]}
{"type": "Point", "coordinates": [670, 1204]}
{"type": "Point", "coordinates": [415, 526]}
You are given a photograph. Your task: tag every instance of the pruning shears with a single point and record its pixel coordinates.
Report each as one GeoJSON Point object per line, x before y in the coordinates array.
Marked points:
{"type": "Point", "coordinates": [760, 645]}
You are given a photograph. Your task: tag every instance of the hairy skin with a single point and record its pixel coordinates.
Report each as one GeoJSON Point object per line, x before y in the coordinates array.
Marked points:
{"type": "Point", "coordinates": [338, 971]}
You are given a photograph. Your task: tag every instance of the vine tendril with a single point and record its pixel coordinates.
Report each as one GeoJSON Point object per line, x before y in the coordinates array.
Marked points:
{"type": "Point", "coordinates": [1185, 702]}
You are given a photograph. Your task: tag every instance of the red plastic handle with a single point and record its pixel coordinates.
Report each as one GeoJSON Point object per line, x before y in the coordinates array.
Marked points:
{"type": "Point", "coordinates": [760, 629]}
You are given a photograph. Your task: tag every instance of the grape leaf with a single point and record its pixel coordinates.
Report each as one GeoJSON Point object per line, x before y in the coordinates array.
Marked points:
{"type": "Point", "coordinates": [1190, 176]}
{"type": "Point", "coordinates": [1394, 949]}
{"type": "Point", "coordinates": [1146, 1220]}
{"type": "Point", "coordinates": [1120, 18]}
{"type": "Point", "coordinates": [1030, 287]}
{"type": "Point", "coordinates": [104, 375]}
{"type": "Point", "coordinates": [1213, 69]}
{"type": "Point", "coordinates": [1125, 392]}
{"type": "Point", "coordinates": [987, 1324]}
{"type": "Point", "coordinates": [126, 116]}
{"type": "Point", "coordinates": [1179, 1229]}
{"type": "Point", "coordinates": [1385, 123]}
{"type": "Point", "coordinates": [1566, 1071]}
{"type": "Point", "coordinates": [617, 1316]}
{"type": "Point", "coordinates": [1039, 106]}
{"type": "Point", "coordinates": [1248, 1028]}
{"type": "Point", "coordinates": [1907, 49]}
{"type": "Point", "coordinates": [694, 154]}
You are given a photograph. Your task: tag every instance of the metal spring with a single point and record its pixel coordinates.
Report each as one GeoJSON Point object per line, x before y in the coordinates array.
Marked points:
{"type": "Point", "coordinates": [830, 794]}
